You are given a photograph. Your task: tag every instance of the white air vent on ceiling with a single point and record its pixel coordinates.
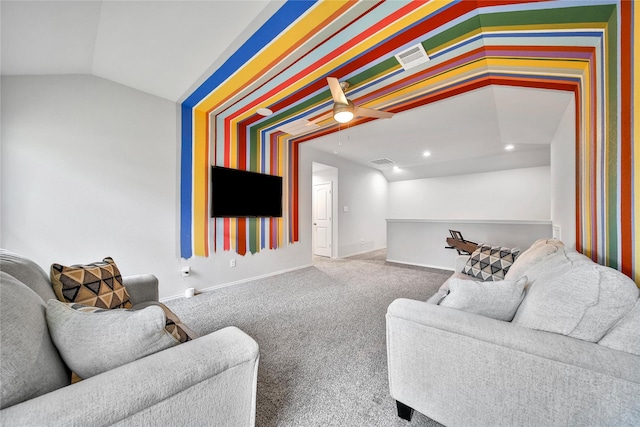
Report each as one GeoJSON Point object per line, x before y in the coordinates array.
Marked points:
{"type": "Point", "coordinates": [381, 162]}
{"type": "Point", "coordinates": [412, 57]}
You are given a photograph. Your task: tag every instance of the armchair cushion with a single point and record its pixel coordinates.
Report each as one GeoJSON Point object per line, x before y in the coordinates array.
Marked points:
{"type": "Point", "coordinates": [93, 340]}
{"type": "Point", "coordinates": [533, 256]}
{"type": "Point", "coordinates": [498, 300]}
{"type": "Point", "coordinates": [28, 272]}
{"type": "Point", "coordinates": [98, 284]}
{"type": "Point", "coordinates": [624, 336]}
{"type": "Point", "coordinates": [31, 365]}
{"type": "Point", "coordinates": [584, 302]}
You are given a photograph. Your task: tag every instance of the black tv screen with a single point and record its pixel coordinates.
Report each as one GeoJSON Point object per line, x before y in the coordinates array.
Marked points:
{"type": "Point", "coordinates": [236, 193]}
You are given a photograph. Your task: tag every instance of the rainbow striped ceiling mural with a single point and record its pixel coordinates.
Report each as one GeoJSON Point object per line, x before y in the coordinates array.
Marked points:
{"type": "Point", "coordinates": [584, 47]}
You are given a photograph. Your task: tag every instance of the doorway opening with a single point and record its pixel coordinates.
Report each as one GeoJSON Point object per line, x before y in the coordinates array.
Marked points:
{"type": "Point", "coordinates": [324, 203]}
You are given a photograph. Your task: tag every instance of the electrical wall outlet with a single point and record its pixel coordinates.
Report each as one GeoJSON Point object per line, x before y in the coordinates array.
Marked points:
{"type": "Point", "coordinates": [362, 241]}
{"type": "Point", "coordinates": [232, 263]}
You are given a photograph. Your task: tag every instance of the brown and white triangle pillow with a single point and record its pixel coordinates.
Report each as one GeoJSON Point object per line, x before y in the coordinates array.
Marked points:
{"type": "Point", "coordinates": [98, 284]}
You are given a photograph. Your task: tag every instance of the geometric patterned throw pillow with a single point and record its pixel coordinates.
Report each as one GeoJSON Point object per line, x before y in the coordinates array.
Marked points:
{"type": "Point", "coordinates": [490, 263]}
{"type": "Point", "coordinates": [98, 284]}
{"type": "Point", "coordinates": [175, 327]}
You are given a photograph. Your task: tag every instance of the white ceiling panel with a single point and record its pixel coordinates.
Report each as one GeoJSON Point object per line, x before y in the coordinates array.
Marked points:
{"type": "Point", "coordinates": [464, 134]}
{"type": "Point", "coordinates": [163, 47]}
{"type": "Point", "coordinates": [529, 116]}
{"type": "Point", "coordinates": [45, 37]}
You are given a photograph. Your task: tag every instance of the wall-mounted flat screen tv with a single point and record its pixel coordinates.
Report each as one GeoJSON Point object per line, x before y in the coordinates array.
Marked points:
{"type": "Point", "coordinates": [237, 193]}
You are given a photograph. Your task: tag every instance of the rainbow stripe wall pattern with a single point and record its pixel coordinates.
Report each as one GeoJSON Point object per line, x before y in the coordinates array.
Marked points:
{"type": "Point", "coordinates": [585, 47]}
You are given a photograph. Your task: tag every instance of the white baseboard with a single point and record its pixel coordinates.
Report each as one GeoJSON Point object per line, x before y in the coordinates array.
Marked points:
{"type": "Point", "coordinates": [362, 253]}
{"type": "Point", "coordinates": [237, 282]}
{"type": "Point", "coordinates": [439, 267]}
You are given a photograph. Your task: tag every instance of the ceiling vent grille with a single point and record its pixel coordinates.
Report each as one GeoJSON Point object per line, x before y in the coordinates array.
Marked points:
{"type": "Point", "coordinates": [412, 57]}
{"type": "Point", "coordinates": [381, 162]}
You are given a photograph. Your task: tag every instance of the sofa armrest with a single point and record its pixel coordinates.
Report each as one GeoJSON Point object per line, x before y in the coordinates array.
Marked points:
{"type": "Point", "coordinates": [425, 318]}
{"type": "Point", "coordinates": [461, 262]}
{"type": "Point", "coordinates": [141, 288]}
{"type": "Point", "coordinates": [448, 364]}
{"type": "Point", "coordinates": [208, 381]}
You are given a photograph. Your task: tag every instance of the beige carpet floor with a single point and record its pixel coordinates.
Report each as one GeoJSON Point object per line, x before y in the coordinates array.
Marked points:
{"type": "Point", "coordinates": [321, 332]}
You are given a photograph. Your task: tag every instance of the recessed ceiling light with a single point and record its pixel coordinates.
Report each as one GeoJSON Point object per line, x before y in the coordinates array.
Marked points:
{"type": "Point", "coordinates": [509, 147]}
{"type": "Point", "coordinates": [264, 112]}
{"type": "Point", "coordinates": [396, 169]}
{"type": "Point", "coordinates": [426, 153]}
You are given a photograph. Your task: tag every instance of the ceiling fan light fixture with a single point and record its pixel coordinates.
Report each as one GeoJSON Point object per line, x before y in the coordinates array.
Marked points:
{"type": "Point", "coordinates": [343, 113]}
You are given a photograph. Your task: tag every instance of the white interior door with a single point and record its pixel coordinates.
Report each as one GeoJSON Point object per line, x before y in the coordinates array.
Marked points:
{"type": "Point", "coordinates": [322, 208]}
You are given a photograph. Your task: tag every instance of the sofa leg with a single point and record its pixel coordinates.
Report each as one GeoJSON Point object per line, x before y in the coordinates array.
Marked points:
{"type": "Point", "coordinates": [405, 412]}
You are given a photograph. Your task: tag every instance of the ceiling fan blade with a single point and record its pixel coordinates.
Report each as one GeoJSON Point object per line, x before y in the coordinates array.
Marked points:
{"type": "Point", "coordinates": [336, 90]}
{"type": "Point", "coordinates": [368, 112]}
{"type": "Point", "coordinates": [321, 118]}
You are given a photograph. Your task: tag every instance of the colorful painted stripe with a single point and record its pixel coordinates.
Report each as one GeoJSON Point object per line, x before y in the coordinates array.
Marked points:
{"type": "Point", "coordinates": [585, 47]}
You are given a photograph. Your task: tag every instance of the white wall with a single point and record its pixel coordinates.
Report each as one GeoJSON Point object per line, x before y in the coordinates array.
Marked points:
{"type": "Point", "coordinates": [90, 169]}
{"type": "Point", "coordinates": [364, 191]}
{"type": "Point", "coordinates": [517, 194]}
{"type": "Point", "coordinates": [563, 177]}
{"type": "Point", "coordinates": [423, 242]}
{"type": "Point", "coordinates": [510, 208]}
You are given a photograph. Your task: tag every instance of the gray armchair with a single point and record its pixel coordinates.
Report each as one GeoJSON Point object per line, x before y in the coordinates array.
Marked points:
{"type": "Point", "coordinates": [207, 381]}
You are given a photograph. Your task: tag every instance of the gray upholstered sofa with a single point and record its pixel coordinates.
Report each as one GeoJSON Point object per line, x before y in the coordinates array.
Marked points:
{"type": "Point", "coordinates": [210, 380]}
{"type": "Point", "coordinates": [569, 357]}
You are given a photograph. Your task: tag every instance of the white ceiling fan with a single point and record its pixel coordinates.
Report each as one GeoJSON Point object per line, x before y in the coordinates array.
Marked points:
{"type": "Point", "coordinates": [343, 109]}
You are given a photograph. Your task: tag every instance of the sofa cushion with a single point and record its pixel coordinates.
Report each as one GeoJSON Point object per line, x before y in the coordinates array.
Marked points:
{"type": "Point", "coordinates": [497, 299]}
{"type": "Point", "coordinates": [98, 284]}
{"type": "Point", "coordinates": [444, 288]}
{"type": "Point", "coordinates": [625, 335]}
{"type": "Point", "coordinates": [583, 302]}
{"type": "Point", "coordinates": [31, 365]}
{"type": "Point", "coordinates": [28, 272]}
{"type": "Point", "coordinates": [92, 340]}
{"type": "Point", "coordinates": [489, 263]}
{"type": "Point", "coordinates": [534, 255]}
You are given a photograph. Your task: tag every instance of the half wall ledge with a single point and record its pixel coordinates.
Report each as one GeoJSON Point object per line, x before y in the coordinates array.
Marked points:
{"type": "Point", "coordinates": [422, 242]}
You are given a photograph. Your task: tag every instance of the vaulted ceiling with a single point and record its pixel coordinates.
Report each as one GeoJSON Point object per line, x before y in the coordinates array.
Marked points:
{"type": "Point", "coordinates": [159, 47]}
{"type": "Point", "coordinates": [170, 49]}
{"type": "Point", "coordinates": [489, 55]}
